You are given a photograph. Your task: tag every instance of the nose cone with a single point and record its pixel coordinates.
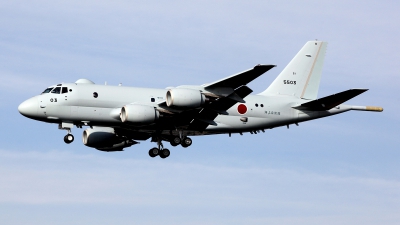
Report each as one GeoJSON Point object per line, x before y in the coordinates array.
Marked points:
{"type": "Point", "coordinates": [29, 108]}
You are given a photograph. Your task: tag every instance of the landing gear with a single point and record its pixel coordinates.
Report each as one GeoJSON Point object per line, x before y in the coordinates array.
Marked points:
{"type": "Point", "coordinates": [68, 138]}
{"type": "Point", "coordinates": [186, 142]}
{"type": "Point", "coordinates": [153, 152]}
{"type": "Point", "coordinates": [161, 151]}
{"type": "Point", "coordinates": [164, 153]}
{"type": "Point", "coordinates": [182, 140]}
{"type": "Point", "coordinates": [175, 141]}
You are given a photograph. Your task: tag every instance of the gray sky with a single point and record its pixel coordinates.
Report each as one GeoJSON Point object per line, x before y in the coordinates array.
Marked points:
{"type": "Point", "coordinates": [338, 170]}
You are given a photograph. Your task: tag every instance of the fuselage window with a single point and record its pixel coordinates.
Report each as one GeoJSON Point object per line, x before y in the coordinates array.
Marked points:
{"type": "Point", "coordinates": [56, 90]}
{"type": "Point", "coordinates": [152, 99]}
{"type": "Point", "coordinates": [64, 90]}
{"type": "Point", "coordinates": [47, 90]}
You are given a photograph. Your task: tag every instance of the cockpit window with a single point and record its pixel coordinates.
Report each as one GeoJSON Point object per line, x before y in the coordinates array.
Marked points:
{"type": "Point", "coordinates": [64, 90]}
{"type": "Point", "coordinates": [56, 90]}
{"type": "Point", "coordinates": [47, 90]}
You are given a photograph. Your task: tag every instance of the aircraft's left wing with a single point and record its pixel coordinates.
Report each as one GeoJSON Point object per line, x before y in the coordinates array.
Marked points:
{"type": "Point", "coordinates": [224, 94]}
{"type": "Point", "coordinates": [205, 117]}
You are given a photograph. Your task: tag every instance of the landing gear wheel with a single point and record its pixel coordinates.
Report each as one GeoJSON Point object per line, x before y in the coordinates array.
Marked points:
{"type": "Point", "coordinates": [175, 141]}
{"type": "Point", "coordinates": [154, 152]}
{"type": "Point", "coordinates": [186, 142]}
{"type": "Point", "coordinates": [68, 138]}
{"type": "Point", "coordinates": [164, 153]}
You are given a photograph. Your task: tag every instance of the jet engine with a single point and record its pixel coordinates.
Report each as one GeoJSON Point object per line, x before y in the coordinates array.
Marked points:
{"type": "Point", "coordinates": [105, 139]}
{"type": "Point", "coordinates": [186, 98]}
{"type": "Point", "coordinates": [140, 114]}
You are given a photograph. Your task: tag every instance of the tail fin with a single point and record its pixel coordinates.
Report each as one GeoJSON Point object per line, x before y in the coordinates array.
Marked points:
{"type": "Point", "coordinates": [301, 77]}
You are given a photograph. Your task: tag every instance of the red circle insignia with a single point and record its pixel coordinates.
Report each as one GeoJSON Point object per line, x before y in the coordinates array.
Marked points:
{"type": "Point", "coordinates": [242, 108]}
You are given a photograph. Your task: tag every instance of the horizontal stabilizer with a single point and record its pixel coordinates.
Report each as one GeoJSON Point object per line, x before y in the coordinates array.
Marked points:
{"type": "Point", "coordinates": [330, 101]}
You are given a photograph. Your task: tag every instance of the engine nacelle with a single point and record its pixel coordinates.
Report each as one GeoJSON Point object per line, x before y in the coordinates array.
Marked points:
{"type": "Point", "coordinates": [105, 139]}
{"type": "Point", "coordinates": [140, 114]}
{"type": "Point", "coordinates": [185, 98]}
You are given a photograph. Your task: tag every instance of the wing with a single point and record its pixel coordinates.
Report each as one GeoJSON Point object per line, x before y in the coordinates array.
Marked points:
{"type": "Point", "coordinates": [226, 86]}
{"type": "Point", "coordinates": [223, 95]}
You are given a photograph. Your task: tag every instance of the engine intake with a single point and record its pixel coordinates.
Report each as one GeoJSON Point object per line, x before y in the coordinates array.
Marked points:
{"type": "Point", "coordinates": [140, 114]}
{"type": "Point", "coordinates": [186, 98]}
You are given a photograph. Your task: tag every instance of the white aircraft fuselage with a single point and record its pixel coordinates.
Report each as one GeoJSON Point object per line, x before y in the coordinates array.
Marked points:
{"type": "Point", "coordinates": [118, 116]}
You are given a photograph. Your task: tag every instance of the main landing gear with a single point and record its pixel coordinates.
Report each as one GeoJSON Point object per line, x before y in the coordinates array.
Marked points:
{"type": "Point", "coordinates": [174, 141]}
{"type": "Point", "coordinates": [185, 142]}
{"type": "Point", "coordinates": [161, 151]}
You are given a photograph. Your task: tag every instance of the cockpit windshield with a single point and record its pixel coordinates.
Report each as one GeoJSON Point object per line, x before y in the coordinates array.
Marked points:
{"type": "Point", "coordinates": [47, 90]}
{"type": "Point", "coordinates": [56, 90]}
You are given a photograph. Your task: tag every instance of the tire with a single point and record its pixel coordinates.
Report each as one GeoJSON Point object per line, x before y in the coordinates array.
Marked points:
{"type": "Point", "coordinates": [153, 152]}
{"type": "Point", "coordinates": [186, 142]}
{"type": "Point", "coordinates": [164, 153]}
{"type": "Point", "coordinates": [69, 138]}
{"type": "Point", "coordinates": [175, 141]}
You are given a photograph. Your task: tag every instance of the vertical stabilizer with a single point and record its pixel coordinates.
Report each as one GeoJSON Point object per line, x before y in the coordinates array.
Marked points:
{"type": "Point", "coordinates": [301, 77]}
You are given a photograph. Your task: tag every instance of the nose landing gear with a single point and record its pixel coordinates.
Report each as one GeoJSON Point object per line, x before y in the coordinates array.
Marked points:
{"type": "Point", "coordinates": [69, 138]}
